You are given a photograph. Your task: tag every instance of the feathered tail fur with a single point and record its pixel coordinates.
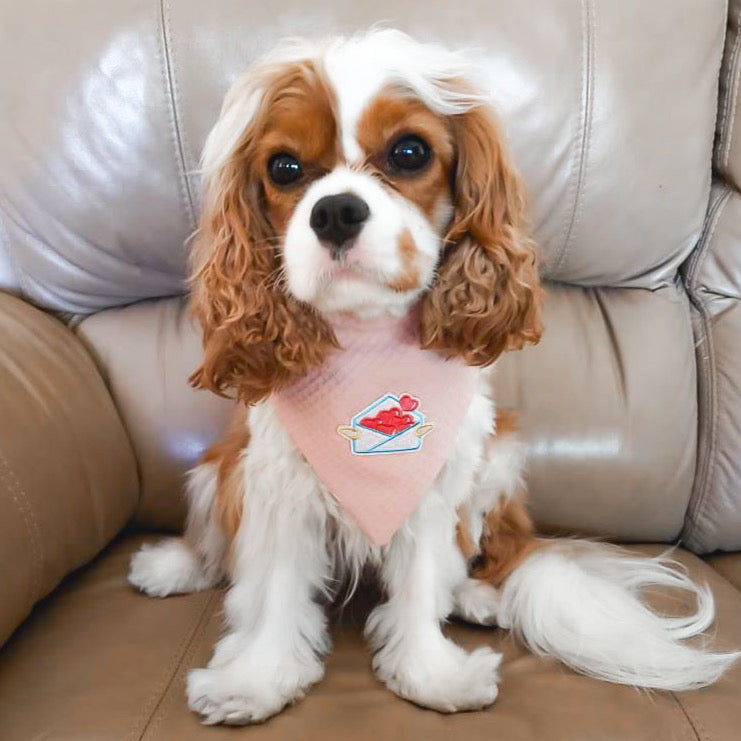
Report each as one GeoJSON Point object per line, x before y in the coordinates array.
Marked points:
{"type": "Point", "coordinates": [583, 603]}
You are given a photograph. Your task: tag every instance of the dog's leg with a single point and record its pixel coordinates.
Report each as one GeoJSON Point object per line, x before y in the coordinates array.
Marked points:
{"type": "Point", "coordinates": [413, 657]}
{"type": "Point", "coordinates": [191, 563]}
{"type": "Point", "coordinates": [494, 519]}
{"type": "Point", "coordinates": [421, 569]}
{"type": "Point", "coordinates": [276, 629]}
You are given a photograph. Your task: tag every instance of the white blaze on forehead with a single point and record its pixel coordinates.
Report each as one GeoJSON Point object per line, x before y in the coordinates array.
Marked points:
{"type": "Point", "coordinates": [359, 68]}
{"type": "Point", "coordinates": [356, 80]}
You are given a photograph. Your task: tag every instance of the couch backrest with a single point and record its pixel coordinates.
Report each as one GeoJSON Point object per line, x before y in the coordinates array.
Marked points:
{"type": "Point", "coordinates": [609, 104]}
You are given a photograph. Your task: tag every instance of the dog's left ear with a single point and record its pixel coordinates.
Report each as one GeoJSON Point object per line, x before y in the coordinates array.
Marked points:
{"type": "Point", "coordinates": [486, 296]}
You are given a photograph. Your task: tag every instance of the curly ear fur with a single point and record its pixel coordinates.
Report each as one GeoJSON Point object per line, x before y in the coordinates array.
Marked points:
{"type": "Point", "coordinates": [256, 337]}
{"type": "Point", "coordinates": [486, 298]}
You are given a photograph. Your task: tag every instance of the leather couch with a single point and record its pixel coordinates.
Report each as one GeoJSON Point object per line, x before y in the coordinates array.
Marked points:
{"type": "Point", "coordinates": [622, 114]}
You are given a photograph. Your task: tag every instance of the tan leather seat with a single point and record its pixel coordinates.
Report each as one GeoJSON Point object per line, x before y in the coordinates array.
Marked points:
{"type": "Point", "coordinates": [101, 661]}
{"type": "Point", "coordinates": [623, 119]}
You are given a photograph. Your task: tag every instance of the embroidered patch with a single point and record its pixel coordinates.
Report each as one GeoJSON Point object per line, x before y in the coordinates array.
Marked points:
{"type": "Point", "coordinates": [391, 424]}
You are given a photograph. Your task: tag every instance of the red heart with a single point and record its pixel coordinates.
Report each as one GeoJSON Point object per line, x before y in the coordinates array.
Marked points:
{"type": "Point", "coordinates": [390, 421]}
{"type": "Point", "coordinates": [408, 403]}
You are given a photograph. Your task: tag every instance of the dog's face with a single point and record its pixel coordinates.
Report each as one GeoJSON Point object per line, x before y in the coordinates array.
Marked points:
{"type": "Point", "coordinates": [362, 176]}
{"type": "Point", "coordinates": [363, 231]}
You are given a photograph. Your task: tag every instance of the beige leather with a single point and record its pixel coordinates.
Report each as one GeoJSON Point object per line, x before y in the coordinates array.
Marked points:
{"type": "Point", "coordinates": [727, 155]}
{"type": "Point", "coordinates": [728, 565]}
{"type": "Point", "coordinates": [67, 476]}
{"type": "Point", "coordinates": [102, 661]}
{"type": "Point", "coordinates": [713, 277]}
{"type": "Point", "coordinates": [99, 153]}
{"type": "Point", "coordinates": [607, 407]}
{"type": "Point", "coordinates": [146, 352]}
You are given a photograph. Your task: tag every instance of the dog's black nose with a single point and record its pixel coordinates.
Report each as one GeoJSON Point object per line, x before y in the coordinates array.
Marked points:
{"type": "Point", "coordinates": [337, 219]}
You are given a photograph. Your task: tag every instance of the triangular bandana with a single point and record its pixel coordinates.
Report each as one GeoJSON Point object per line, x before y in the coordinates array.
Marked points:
{"type": "Point", "coordinates": [378, 420]}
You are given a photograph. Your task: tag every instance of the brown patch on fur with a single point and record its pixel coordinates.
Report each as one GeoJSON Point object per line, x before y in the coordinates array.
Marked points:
{"type": "Point", "coordinates": [257, 337]}
{"type": "Point", "coordinates": [508, 539]}
{"type": "Point", "coordinates": [391, 116]}
{"type": "Point", "coordinates": [302, 123]}
{"type": "Point", "coordinates": [487, 296]}
{"type": "Point", "coordinates": [226, 455]}
{"type": "Point", "coordinates": [408, 280]}
{"type": "Point", "coordinates": [506, 423]}
{"type": "Point", "coordinates": [463, 536]}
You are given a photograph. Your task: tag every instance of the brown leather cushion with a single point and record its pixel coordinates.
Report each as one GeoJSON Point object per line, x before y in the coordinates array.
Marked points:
{"type": "Point", "coordinates": [68, 478]}
{"type": "Point", "coordinates": [729, 565]}
{"type": "Point", "coordinates": [98, 660]}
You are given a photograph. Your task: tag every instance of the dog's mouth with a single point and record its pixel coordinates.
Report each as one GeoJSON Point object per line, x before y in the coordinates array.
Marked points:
{"type": "Point", "coordinates": [353, 272]}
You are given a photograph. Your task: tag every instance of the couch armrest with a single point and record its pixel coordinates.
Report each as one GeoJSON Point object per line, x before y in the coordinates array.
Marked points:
{"type": "Point", "coordinates": [712, 275]}
{"type": "Point", "coordinates": [68, 479]}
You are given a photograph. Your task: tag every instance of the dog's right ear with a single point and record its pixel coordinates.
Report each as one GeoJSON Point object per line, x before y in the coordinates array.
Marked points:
{"type": "Point", "coordinates": [256, 337]}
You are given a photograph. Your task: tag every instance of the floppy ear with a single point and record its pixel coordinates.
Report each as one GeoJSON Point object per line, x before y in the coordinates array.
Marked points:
{"type": "Point", "coordinates": [486, 297]}
{"type": "Point", "coordinates": [256, 337]}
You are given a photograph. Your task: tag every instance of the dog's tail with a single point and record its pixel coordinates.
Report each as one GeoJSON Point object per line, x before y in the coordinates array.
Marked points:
{"type": "Point", "coordinates": [580, 601]}
{"type": "Point", "coordinates": [583, 603]}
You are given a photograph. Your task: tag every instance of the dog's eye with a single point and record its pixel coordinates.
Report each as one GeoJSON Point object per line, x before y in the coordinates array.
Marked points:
{"type": "Point", "coordinates": [284, 169]}
{"type": "Point", "coordinates": [409, 154]}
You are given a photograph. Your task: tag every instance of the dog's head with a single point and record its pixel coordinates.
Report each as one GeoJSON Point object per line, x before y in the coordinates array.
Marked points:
{"type": "Point", "coordinates": [363, 175]}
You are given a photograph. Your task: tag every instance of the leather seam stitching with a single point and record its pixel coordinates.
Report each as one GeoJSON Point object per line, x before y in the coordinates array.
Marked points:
{"type": "Point", "coordinates": [732, 82]}
{"type": "Point", "coordinates": [173, 97]}
{"type": "Point", "coordinates": [184, 651]}
{"type": "Point", "coordinates": [23, 504]}
{"type": "Point", "coordinates": [693, 723]}
{"type": "Point", "coordinates": [707, 429]}
{"type": "Point", "coordinates": [579, 165]}
{"type": "Point", "coordinates": [707, 401]}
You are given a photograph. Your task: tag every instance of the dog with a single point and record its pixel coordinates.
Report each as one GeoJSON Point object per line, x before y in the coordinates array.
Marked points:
{"type": "Point", "coordinates": [362, 260]}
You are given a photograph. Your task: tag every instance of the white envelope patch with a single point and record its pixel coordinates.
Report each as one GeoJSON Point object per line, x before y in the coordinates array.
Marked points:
{"type": "Point", "coordinates": [391, 424]}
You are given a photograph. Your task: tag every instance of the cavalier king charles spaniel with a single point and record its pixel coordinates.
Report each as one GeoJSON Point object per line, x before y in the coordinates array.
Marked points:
{"type": "Point", "coordinates": [361, 262]}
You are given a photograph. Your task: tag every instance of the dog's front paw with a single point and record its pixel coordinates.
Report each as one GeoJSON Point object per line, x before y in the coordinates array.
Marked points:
{"type": "Point", "coordinates": [168, 567]}
{"type": "Point", "coordinates": [445, 678]}
{"type": "Point", "coordinates": [238, 695]}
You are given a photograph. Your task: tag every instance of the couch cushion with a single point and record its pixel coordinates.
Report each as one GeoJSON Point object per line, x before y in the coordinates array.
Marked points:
{"type": "Point", "coordinates": [98, 660]}
{"type": "Point", "coordinates": [146, 352]}
{"type": "Point", "coordinates": [606, 403]}
{"type": "Point", "coordinates": [607, 408]}
{"type": "Point", "coordinates": [98, 154]}
{"type": "Point", "coordinates": [67, 474]}
{"type": "Point", "coordinates": [729, 565]}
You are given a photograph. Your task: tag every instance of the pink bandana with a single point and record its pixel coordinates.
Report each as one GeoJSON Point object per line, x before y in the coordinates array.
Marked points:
{"type": "Point", "coordinates": [378, 420]}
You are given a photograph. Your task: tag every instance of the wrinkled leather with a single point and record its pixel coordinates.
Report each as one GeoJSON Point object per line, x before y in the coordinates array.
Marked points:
{"type": "Point", "coordinates": [120, 659]}
{"type": "Point", "coordinates": [67, 475]}
{"type": "Point", "coordinates": [146, 352]}
{"type": "Point", "coordinates": [98, 190]}
{"type": "Point", "coordinates": [713, 277]}
{"type": "Point", "coordinates": [606, 404]}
